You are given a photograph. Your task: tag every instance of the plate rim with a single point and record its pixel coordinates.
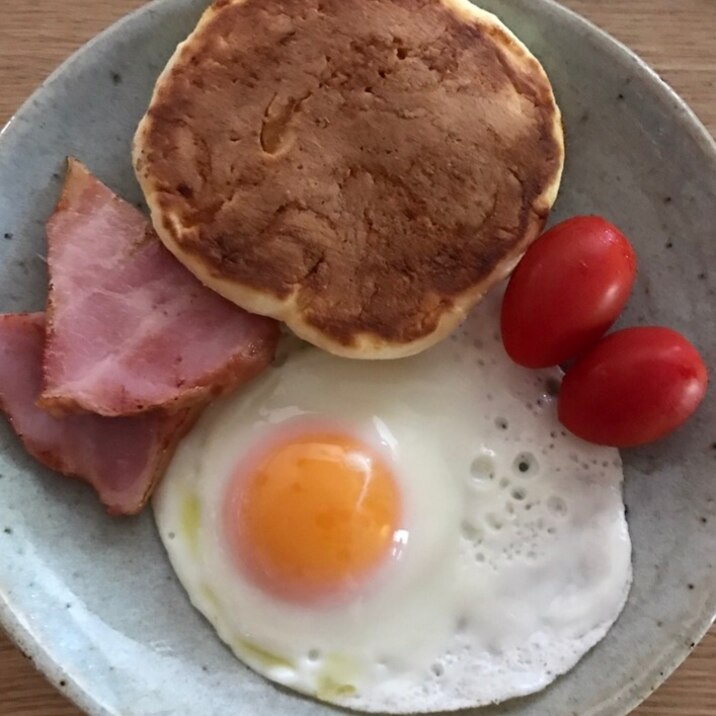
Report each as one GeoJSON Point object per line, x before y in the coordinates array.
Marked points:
{"type": "Point", "coordinates": [20, 633]}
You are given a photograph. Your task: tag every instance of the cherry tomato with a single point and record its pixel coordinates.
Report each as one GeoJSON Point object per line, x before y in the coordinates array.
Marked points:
{"type": "Point", "coordinates": [567, 291]}
{"type": "Point", "coordinates": [633, 387]}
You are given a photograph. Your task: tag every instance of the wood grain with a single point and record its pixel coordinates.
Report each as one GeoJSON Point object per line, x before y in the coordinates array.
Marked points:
{"type": "Point", "coordinates": [677, 37]}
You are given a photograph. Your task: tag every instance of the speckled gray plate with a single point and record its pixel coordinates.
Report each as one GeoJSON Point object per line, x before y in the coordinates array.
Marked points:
{"type": "Point", "coordinates": [93, 600]}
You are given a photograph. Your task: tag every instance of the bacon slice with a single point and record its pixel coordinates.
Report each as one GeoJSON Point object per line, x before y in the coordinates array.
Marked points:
{"type": "Point", "coordinates": [122, 458]}
{"type": "Point", "coordinates": [129, 328]}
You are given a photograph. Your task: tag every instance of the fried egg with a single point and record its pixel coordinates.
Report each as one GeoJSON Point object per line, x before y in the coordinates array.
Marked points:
{"type": "Point", "coordinates": [409, 536]}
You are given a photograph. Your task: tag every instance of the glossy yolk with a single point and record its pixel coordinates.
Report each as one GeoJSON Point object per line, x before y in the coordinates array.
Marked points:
{"type": "Point", "coordinates": [315, 515]}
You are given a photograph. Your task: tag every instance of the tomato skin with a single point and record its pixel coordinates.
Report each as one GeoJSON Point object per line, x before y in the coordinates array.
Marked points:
{"type": "Point", "coordinates": [635, 386]}
{"type": "Point", "coordinates": [569, 288]}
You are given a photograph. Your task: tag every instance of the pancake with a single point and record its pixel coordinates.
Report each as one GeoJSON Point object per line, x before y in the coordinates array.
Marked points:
{"type": "Point", "coordinates": [363, 170]}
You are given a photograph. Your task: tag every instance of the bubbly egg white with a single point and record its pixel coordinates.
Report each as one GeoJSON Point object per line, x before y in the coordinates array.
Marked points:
{"type": "Point", "coordinates": [515, 557]}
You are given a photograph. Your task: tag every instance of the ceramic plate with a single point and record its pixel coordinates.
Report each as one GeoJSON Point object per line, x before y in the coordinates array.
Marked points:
{"type": "Point", "coordinates": [94, 601]}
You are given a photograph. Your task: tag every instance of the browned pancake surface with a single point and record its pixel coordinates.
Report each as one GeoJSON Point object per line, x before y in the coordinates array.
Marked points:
{"type": "Point", "coordinates": [357, 168]}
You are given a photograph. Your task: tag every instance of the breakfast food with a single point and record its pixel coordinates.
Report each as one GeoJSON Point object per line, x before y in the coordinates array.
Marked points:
{"type": "Point", "coordinates": [633, 387]}
{"type": "Point", "coordinates": [405, 536]}
{"type": "Point", "coordinates": [129, 328]}
{"type": "Point", "coordinates": [364, 170]}
{"type": "Point", "coordinates": [411, 536]}
{"type": "Point", "coordinates": [122, 458]}
{"type": "Point", "coordinates": [130, 352]}
{"type": "Point", "coordinates": [567, 291]}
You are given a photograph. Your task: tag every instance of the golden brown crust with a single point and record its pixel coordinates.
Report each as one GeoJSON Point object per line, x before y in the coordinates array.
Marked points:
{"type": "Point", "coordinates": [361, 169]}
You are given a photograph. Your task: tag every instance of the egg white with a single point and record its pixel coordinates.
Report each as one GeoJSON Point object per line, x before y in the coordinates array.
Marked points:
{"type": "Point", "coordinates": [516, 560]}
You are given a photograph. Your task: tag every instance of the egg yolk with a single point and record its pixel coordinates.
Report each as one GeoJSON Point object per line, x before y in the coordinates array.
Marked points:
{"type": "Point", "coordinates": [314, 516]}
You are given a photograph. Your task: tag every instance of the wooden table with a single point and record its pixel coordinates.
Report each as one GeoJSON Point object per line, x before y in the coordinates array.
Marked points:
{"type": "Point", "coordinates": [678, 37]}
